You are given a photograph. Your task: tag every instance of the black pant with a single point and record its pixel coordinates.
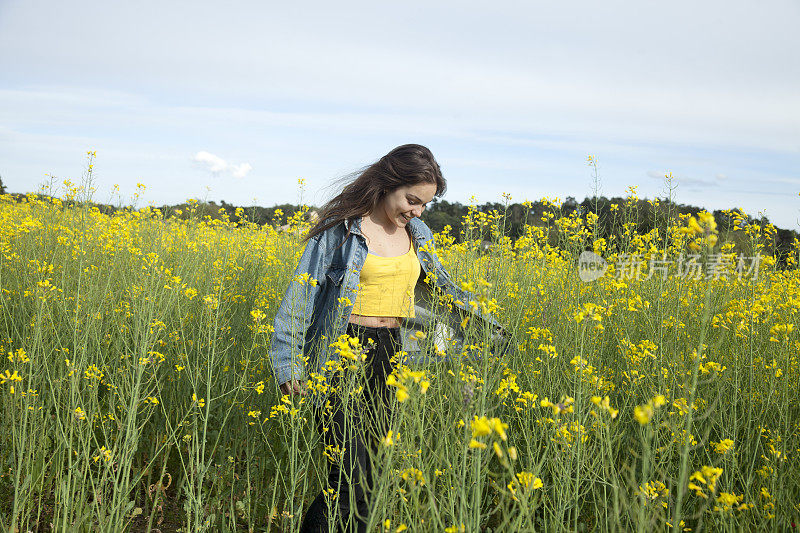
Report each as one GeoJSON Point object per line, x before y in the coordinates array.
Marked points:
{"type": "Point", "coordinates": [357, 431]}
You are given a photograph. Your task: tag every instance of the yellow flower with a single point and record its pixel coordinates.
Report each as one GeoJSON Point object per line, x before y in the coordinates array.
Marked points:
{"type": "Point", "coordinates": [480, 427]}
{"type": "Point", "coordinates": [707, 220]}
{"type": "Point", "coordinates": [402, 395]}
{"type": "Point", "coordinates": [92, 372]}
{"type": "Point", "coordinates": [497, 450]}
{"type": "Point", "coordinates": [388, 440]}
{"type": "Point", "coordinates": [565, 406]}
{"type": "Point", "coordinates": [654, 490]}
{"type": "Point", "coordinates": [200, 403]}
{"type": "Point", "coordinates": [643, 414]}
{"type": "Point", "coordinates": [412, 476]}
{"type": "Point", "coordinates": [723, 446]}
{"type": "Point", "coordinates": [498, 427]}
{"type": "Point", "coordinates": [698, 490]}
{"type": "Point", "coordinates": [257, 314]}
{"type": "Point", "coordinates": [527, 479]}
{"type": "Point", "coordinates": [305, 279]}
{"type": "Point", "coordinates": [104, 454]}
{"type": "Point", "coordinates": [475, 444]}
{"type": "Point", "coordinates": [726, 501]}
{"type": "Point", "coordinates": [707, 475]}
{"type": "Point", "coordinates": [605, 404]}
{"type": "Point", "coordinates": [8, 376]}
{"type": "Point", "coordinates": [20, 355]}
{"type": "Point", "coordinates": [694, 226]}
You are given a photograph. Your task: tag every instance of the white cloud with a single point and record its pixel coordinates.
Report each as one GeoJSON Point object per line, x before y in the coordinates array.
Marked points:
{"type": "Point", "coordinates": [216, 165]}
{"type": "Point", "coordinates": [240, 171]}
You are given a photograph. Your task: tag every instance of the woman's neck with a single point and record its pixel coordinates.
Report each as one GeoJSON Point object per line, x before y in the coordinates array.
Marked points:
{"type": "Point", "coordinates": [382, 222]}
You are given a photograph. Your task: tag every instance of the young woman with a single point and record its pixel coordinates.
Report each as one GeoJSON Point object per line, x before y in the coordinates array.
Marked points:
{"type": "Point", "coordinates": [368, 270]}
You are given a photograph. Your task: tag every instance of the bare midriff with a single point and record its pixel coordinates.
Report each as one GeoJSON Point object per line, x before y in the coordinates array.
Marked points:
{"type": "Point", "coordinates": [375, 321]}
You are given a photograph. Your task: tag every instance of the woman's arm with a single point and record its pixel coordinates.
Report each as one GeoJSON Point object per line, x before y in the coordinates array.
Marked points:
{"type": "Point", "coordinates": [499, 336]}
{"type": "Point", "coordinates": [295, 314]}
{"type": "Point", "coordinates": [444, 281]}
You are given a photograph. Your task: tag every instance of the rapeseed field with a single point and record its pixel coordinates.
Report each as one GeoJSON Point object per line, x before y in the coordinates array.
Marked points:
{"type": "Point", "coordinates": [136, 391]}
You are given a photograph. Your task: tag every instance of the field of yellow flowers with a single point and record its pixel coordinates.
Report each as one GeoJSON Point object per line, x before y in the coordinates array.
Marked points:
{"type": "Point", "coordinates": [136, 390]}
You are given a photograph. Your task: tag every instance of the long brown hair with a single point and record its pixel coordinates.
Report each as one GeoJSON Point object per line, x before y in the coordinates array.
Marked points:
{"type": "Point", "coordinates": [406, 165]}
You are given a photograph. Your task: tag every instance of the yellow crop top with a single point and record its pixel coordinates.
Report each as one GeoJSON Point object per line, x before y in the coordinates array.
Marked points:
{"type": "Point", "coordinates": [386, 285]}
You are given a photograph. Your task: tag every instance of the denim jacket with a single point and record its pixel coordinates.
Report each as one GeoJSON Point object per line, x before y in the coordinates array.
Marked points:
{"type": "Point", "coordinates": [317, 304]}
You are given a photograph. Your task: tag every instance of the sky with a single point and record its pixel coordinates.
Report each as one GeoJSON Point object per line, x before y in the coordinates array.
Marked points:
{"type": "Point", "coordinates": [238, 100]}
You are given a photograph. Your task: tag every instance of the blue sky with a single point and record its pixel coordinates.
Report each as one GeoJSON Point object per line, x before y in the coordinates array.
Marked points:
{"type": "Point", "coordinates": [510, 97]}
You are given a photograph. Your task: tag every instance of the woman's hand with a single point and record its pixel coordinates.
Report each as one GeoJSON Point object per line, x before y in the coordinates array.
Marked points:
{"type": "Point", "coordinates": [502, 332]}
{"type": "Point", "coordinates": [501, 337]}
{"type": "Point", "coordinates": [293, 387]}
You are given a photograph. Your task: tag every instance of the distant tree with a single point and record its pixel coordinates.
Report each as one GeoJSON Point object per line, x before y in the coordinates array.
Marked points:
{"type": "Point", "coordinates": [2, 187]}
{"type": "Point", "coordinates": [646, 216]}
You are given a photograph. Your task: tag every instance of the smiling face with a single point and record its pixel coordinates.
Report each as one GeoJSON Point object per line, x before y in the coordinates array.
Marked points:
{"type": "Point", "coordinates": [405, 203]}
